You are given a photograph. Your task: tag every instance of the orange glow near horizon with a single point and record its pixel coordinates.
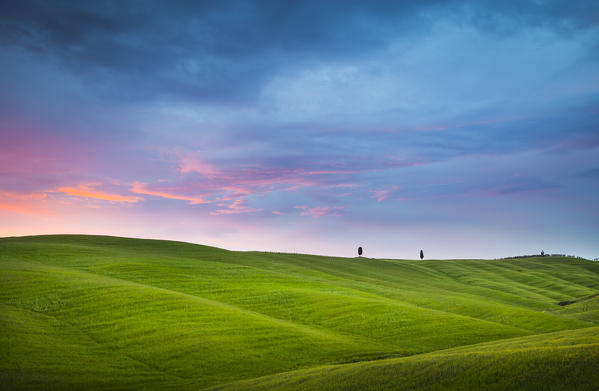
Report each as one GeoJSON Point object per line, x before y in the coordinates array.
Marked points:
{"type": "Point", "coordinates": [17, 208]}
{"type": "Point", "coordinates": [23, 203]}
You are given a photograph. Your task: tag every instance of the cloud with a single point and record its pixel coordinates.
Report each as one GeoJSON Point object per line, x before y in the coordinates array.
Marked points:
{"type": "Point", "coordinates": [469, 124]}
{"type": "Point", "coordinates": [236, 207]}
{"type": "Point", "coordinates": [88, 191]}
{"type": "Point", "coordinates": [144, 188]}
{"type": "Point", "coordinates": [382, 194]}
{"type": "Point", "coordinates": [519, 187]}
{"type": "Point", "coordinates": [320, 211]}
{"type": "Point", "coordinates": [190, 164]}
{"type": "Point", "coordinates": [32, 204]}
{"type": "Point", "coordinates": [226, 51]}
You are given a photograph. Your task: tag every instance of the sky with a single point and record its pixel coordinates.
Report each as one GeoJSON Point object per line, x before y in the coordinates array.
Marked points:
{"type": "Point", "coordinates": [468, 129]}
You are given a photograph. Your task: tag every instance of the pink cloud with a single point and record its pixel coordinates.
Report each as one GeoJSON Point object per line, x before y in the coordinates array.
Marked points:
{"type": "Point", "coordinates": [142, 188]}
{"type": "Point", "coordinates": [191, 163]}
{"type": "Point", "coordinates": [235, 192]}
{"type": "Point", "coordinates": [383, 194]}
{"type": "Point", "coordinates": [230, 183]}
{"type": "Point", "coordinates": [237, 189]}
{"type": "Point", "coordinates": [236, 207]}
{"type": "Point", "coordinates": [27, 151]}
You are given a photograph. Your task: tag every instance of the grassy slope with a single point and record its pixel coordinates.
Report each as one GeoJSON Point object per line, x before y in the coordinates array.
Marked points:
{"type": "Point", "coordinates": [564, 360]}
{"type": "Point", "coordinates": [128, 313]}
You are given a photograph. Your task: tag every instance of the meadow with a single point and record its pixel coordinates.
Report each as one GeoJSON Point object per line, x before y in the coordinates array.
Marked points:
{"type": "Point", "coordinates": [99, 312]}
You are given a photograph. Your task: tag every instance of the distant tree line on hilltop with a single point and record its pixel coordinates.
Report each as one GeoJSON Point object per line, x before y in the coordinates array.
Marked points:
{"type": "Point", "coordinates": [546, 255]}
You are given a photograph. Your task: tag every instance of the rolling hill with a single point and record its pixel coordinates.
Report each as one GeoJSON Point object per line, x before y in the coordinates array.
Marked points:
{"type": "Point", "coordinates": [100, 312]}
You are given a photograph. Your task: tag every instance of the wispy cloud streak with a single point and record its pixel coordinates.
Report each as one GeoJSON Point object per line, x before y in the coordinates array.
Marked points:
{"type": "Point", "coordinates": [144, 188]}
{"type": "Point", "coordinates": [88, 191]}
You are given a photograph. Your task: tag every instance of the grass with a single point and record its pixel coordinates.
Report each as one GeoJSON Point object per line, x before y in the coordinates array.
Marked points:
{"type": "Point", "coordinates": [564, 360]}
{"type": "Point", "coordinates": [99, 312]}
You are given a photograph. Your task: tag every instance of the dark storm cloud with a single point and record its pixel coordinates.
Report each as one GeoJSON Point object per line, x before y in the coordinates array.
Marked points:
{"type": "Point", "coordinates": [225, 51]}
{"type": "Point", "coordinates": [216, 50]}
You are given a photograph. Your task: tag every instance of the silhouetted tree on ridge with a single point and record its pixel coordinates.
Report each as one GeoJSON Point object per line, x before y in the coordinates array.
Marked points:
{"type": "Point", "coordinates": [421, 254]}
{"type": "Point", "coordinates": [360, 251]}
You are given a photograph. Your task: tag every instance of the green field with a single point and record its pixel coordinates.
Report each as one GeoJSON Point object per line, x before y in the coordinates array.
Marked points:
{"type": "Point", "coordinates": [98, 312]}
